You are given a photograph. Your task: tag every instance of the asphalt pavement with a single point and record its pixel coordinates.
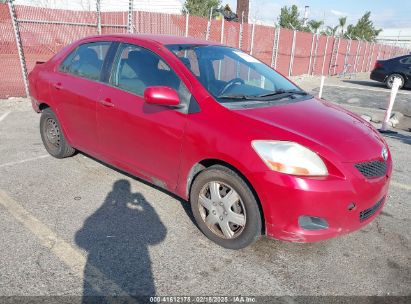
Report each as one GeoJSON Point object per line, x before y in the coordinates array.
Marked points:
{"type": "Point", "coordinates": [358, 91]}
{"type": "Point", "coordinates": [79, 227]}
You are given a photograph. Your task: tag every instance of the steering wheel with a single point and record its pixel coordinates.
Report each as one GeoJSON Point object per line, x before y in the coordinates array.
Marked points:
{"type": "Point", "coordinates": [229, 84]}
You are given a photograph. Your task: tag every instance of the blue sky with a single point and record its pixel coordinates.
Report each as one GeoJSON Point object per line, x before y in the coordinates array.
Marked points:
{"type": "Point", "coordinates": [385, 14]}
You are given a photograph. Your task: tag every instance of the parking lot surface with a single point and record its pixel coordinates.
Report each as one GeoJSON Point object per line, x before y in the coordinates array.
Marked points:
{"type": "Point", "coordinates": [359, 91]}
{"type": "Point", "coordinates": [79, 227]}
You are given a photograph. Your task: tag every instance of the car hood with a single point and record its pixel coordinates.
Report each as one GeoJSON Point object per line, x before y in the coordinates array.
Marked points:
{"type": "Point", "coordinates": [323, 125]}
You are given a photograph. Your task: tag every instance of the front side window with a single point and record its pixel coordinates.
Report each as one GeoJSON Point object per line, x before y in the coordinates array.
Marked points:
{"type": "Point", "coordinates": [234, 77]}
{"type": "Point", "coordinates": [87, 60]}
{"type": "Point", "coordinates": [137, 68]}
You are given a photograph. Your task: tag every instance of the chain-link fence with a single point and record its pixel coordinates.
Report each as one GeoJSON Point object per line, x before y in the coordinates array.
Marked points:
{"type": "Point", "coordinates": [11, 79]}
{"type": "Point", "coordinates": [29, 34]}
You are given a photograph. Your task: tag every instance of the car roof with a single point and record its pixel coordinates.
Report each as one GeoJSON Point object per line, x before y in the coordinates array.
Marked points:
{"type": "Point", "coordinates": [159, 39]}
{"type": "Point", "coordinates": [398, 57]}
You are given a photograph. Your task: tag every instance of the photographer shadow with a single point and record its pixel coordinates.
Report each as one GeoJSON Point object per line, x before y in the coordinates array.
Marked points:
{"type": "Point", "coordinates": [116, 238]}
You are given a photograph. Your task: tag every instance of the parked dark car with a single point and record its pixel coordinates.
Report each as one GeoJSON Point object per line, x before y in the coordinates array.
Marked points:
{"type": "Point", "coordinates": [386, 70]}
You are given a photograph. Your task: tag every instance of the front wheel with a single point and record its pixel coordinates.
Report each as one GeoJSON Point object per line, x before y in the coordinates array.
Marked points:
{"type": "Point", "coordinates": [52, 135]}
{"type": "Point", "coordinates": [225, 208]}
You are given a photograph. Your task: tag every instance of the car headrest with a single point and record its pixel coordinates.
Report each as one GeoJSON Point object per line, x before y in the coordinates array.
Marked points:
{"type": "Point", "coordinates": [88, 55]}
{"type": "Point", "coordinates": [142, 58]}
{"type": "Point", "coordinates": [186, 62]}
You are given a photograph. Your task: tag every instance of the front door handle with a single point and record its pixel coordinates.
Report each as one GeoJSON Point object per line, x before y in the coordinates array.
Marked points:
{"type": "Point", "coordinates": [106, 102]}
{"type": "Point", "coordinates": [58, 86]}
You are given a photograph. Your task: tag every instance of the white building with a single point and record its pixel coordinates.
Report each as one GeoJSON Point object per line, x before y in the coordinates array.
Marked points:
{"type": "Point", "coordinates": [396, 36]}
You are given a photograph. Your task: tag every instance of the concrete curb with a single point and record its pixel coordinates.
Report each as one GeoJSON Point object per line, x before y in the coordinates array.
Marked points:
{"type": "Point", "coordinates": [374, 115]}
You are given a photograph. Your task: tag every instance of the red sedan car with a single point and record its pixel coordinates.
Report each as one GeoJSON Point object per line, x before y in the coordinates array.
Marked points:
{"type": "Point", "coordinates": [252, 152]}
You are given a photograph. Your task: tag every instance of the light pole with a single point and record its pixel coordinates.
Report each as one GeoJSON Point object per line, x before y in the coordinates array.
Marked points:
{"type": "Point", "coordinates": [306, 11]}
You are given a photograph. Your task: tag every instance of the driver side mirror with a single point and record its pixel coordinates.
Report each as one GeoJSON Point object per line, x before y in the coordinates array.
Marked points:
{"type": "Point", "coordinates": [162, 96]}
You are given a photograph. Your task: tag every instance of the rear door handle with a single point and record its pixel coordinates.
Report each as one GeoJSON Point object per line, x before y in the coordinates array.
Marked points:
{"type": "Point", "coordinates": [58, 86]}
{"type": "Point", "coordinates": [106, 102]}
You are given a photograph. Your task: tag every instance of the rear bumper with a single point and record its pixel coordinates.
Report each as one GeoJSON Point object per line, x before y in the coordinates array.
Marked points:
{"type": "Point", "coordinates": [286, 198]}
{"type": "Point", "coordinates": [378, 75]}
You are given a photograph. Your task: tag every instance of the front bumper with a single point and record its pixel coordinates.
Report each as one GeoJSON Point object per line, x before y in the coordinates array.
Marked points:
{"type": "Point", "coordinates": [285, 198]}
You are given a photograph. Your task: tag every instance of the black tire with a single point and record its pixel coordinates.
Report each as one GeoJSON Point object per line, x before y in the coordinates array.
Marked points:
{"type": "Point", "coordinates": [52, 135]}
{"type": "Point", "coordinates": [390, 78]}
{"type": "Point", "coordinates": [250, 231]}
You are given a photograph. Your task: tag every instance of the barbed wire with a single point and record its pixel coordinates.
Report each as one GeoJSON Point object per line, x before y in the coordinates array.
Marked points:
{"type": "Point", "coordinates": [46, 29]}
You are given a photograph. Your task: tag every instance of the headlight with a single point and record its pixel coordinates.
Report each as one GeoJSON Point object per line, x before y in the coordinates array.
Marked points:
{"type": "Point", "coordinates": [290, 158]}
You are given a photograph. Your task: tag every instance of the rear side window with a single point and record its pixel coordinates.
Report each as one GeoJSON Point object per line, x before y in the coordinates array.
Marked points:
{"type": "Point", "coordinates": [406, 60]}
{"type": "Point", "coordinates": [64, 67]}
{"type": "Point", "coordinates": [87, 60]}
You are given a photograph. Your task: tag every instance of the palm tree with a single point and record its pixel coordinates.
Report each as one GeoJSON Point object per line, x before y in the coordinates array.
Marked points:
{"type": "Point", "coordinates": [342, 21]}
{"type": "Point", "coordinates": [330, 31]}
{"type": "Point", "coordinates": [315, 25]}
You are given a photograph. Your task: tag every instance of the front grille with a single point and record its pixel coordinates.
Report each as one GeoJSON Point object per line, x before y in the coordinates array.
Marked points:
{"type": "Point", "coordinates": [370, 211]}
{"type": "Point", "coordinates": [372, 169]}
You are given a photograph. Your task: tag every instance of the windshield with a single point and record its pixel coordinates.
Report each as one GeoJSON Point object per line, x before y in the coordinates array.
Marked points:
{"type": "Point", "coordinates": [234, 77]}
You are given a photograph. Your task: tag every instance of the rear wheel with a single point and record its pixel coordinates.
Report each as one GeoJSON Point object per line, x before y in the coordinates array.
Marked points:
{"type": "Point", "coordinates": [52, 135]}
{"type": "Point", "coordinates": [390, 80]}
{"type": "Point", "coordinates": [225, 208]}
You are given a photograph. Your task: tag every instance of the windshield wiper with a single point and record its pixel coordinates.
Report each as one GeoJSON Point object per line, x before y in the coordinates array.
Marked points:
{"type": "Point", "coordinates": [261, 97]}
{"type": "Point", "coordinates": [238, 97]}
{"type": "Point", "coordinates": [281, 92]}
